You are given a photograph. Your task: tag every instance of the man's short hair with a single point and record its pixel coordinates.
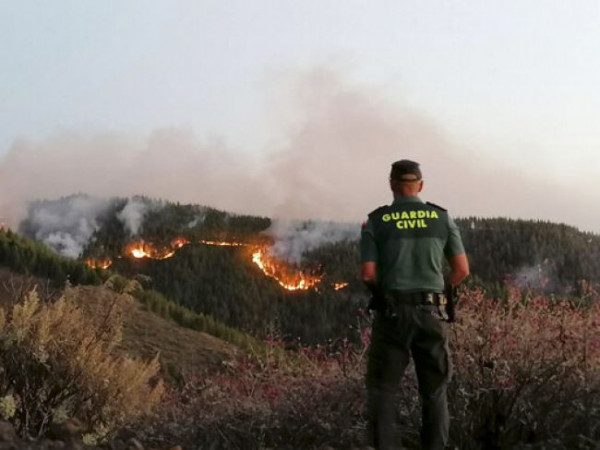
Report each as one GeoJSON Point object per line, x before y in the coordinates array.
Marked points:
{"type": "Point", "coordinates": [405, 171]}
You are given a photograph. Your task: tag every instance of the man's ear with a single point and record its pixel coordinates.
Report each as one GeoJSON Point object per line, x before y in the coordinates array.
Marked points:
{"type": "Point", "coordinates": [421, 186]}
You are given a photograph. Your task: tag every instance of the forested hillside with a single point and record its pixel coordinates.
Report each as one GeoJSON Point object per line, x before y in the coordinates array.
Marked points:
{"type": "Point", "coordinates": [259, 285]}
{"type": "Point", "coordinates": [33, 258]}
{"type": "Point", "coordinates": [206, 260]}
{"type": "Point", "coordinates": [553, 257]}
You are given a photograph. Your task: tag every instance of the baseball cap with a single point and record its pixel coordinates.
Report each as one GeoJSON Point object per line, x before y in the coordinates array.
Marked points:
{"type": "Point", "coordinates": [405, 170]}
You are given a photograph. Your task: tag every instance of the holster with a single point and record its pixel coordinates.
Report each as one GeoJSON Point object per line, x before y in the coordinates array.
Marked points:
{"type": "Point", "coordinates": [451, 294]}
{"type": "Point", "coordinates": [377, 300]}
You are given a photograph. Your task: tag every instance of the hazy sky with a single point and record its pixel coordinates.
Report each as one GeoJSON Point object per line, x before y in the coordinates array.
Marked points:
{"type": "Point", "coordinates": [510, 86]}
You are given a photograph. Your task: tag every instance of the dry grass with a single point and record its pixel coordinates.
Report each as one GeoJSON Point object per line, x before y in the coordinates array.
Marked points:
{"type": "Point", "coordinates": [181, 350]}
{"type": "Point", "coordinates": [58, 361]}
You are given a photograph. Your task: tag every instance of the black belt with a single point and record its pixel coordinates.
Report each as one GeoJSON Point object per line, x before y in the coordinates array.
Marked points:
{"type": "Point", "coordinates": [415, 298]}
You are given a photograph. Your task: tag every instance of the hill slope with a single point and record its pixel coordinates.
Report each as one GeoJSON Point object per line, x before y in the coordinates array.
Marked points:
{"type": "Point", "coordinates": [227, 283]}
{"type": "Point", "coordinates": [145, 334]}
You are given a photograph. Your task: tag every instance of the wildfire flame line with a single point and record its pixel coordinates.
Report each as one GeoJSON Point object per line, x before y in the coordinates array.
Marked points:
{"type": "Point", "coordinates": [287, 277]}
{"type": "Point", "coordinates": [224, 243]}
{"type": "Point", "coordinates": [103, 263]}
{"type": "Point", "coordinates": [290, 281]}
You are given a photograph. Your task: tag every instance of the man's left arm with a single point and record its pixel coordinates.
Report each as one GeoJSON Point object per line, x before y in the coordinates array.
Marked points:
{"type": "Point", "coordinates": [368, 269]}
{"type": "Point", "coordinates": [368, 254]}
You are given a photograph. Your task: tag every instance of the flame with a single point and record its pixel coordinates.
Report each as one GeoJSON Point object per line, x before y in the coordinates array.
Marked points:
{"type": "Point", "coordinates": [101, 263]}
{"type": "Point", "coordinates": [287, 278]}
{"type": "Point", "coordinates": [179, 242]}
{"type": "Point", "coordinates": [223, 243]}
{"type": "Point", "coordinates": [142, 250]}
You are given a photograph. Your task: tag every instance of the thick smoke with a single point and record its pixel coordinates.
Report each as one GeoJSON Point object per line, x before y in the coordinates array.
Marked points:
{"type": "Point", "coordinates": [66, 224]}
{"type": "Point", "coordinates": [294, 238]}
{"type": "Point", "coordinates": [331, 163]}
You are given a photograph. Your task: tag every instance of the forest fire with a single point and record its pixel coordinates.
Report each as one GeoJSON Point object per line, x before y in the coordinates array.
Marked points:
{"type": "Point", "coordinates": [338, 286]}
{"type": "Point", "coordinates": [179, 242]}
{"type": "Point", "coordinates": [286, 277]}
{"type": "Point", "coordinates": [102, 263]}
{"type": "Point", "coordinates": [141, 250]}
{"type": "Point", "coordinates": [224, 243]}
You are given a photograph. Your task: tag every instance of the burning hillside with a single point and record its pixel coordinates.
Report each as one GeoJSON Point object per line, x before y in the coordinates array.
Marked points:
{"type": "Point", "coordinates": [288, 276]}
{"type": "Point", "coordinates": [140, 250]}
{"type": "Point", "coordinates": [100, 263]}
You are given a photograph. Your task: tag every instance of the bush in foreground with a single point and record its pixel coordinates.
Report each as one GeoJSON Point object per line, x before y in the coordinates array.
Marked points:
{"type": "Point", "coordinates": [526, 375]}
{"type": "Point", "coordinates": [58, 362]}
{"type": "Point", "coordinates": [527, 371]}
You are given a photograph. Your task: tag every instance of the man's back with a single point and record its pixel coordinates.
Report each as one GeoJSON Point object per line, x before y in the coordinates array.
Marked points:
{"type": "Point", "coordinates": [409, 241]}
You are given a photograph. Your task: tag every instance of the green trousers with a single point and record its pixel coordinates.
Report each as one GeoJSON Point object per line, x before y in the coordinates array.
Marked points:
{"type": "Point", "coordinates": [413, 331]}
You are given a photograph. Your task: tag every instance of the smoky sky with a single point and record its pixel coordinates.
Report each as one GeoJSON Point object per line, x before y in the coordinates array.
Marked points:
{"type": "Point", "coordinates": [335, 142]}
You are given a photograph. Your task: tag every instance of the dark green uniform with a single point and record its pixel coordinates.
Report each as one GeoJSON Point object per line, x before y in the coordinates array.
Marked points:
{"type": "Point", "coordinates": [408, 241]}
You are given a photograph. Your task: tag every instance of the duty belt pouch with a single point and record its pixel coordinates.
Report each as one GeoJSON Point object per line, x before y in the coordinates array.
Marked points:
{"type": "Point", "coordinates": [441, 308]}
{"type": "Point", "coordinates": [439, 302]}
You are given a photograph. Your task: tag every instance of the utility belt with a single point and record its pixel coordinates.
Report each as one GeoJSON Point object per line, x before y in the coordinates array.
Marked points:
{"type": "Point", "coordinates": [433, 301]}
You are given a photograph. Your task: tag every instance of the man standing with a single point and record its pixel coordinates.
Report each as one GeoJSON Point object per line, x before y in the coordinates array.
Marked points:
{"type": "Point", "coordinates": [403, 247]}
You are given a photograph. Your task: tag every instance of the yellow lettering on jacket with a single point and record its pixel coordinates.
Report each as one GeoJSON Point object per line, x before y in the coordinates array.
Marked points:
{"type": "Point", "coordinates": [406, 220]}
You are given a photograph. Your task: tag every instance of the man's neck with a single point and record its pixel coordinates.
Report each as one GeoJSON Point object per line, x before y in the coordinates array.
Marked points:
{"type": "Point", "coordinates": [403, 198]}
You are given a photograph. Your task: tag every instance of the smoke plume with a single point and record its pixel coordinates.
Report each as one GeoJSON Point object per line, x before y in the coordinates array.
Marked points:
{"type": "Point", "coordinates": [293, 238]}
{"type": "Point", "coordinates": [133, 213]}
{"type": "Point", "coordinates": [66, 224]}
{"type": "Point", "coordinates": [330, 162]}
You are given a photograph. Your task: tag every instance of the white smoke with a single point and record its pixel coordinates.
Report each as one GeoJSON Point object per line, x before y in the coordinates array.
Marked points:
{"type": "Point", "coordinates": [294, 238]}
{"type": "Point", "coordinates": [536, 276]}
{"type": "Point", "coordinates": [66, 224]}
{"type": "Point", "coordinates": [198, 220]}
{"type": "Point", "coordinates": [132, 215]}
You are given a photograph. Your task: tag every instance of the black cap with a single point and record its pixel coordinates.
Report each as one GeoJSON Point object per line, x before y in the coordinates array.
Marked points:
{"type": "Point", "coordinates": [405, 170]}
